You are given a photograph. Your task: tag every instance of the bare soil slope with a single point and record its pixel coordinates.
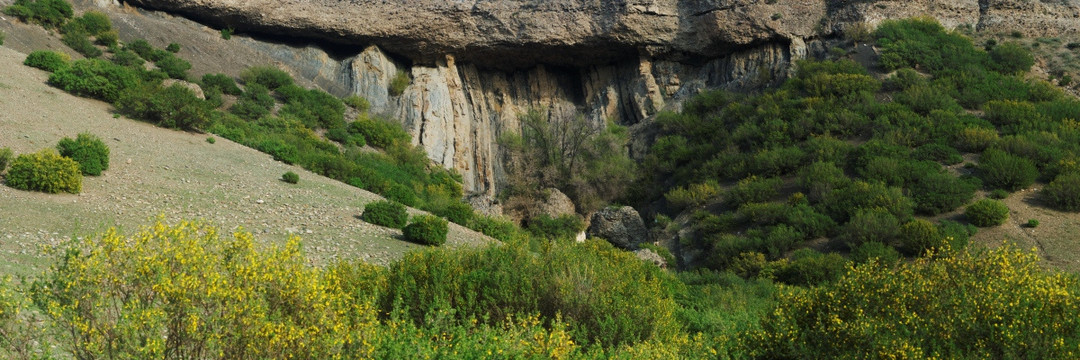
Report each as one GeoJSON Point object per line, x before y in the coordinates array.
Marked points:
{"type": "Point", "coordinates": [178, 175]}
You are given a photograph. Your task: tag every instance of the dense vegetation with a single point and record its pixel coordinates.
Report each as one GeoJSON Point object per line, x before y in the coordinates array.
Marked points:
{"type": "Point", "coordinates": [864, 166]}
{"type": "Point", "coordinates": [833, 154]}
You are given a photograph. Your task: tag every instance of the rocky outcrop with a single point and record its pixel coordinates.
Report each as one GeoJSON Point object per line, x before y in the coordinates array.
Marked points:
{"type": "Point", "coordinates": [650, 256]}
{"type": "Point", "coordinates": [621, 226]}
{"type": "Point", "coordinates": [475, 65]}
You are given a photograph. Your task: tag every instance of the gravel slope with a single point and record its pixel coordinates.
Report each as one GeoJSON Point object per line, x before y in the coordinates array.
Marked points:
{"type": "Point", "coordinates": [178, 175]}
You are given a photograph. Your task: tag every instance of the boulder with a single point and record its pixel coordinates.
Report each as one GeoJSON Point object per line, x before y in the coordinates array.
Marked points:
{"type": "Point", "coordinates": [649, 256]}
{"type": "Point", "coordinates": [621, 226]}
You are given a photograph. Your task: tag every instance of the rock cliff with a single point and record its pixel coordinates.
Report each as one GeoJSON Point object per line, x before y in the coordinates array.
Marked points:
{"type": "Point", "coordinates": [476, 64]}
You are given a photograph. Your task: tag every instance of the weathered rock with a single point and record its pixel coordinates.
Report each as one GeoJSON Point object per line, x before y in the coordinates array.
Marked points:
{"type": "Point", "coordinates": [649, 256]}
{"type": "Point", "coordinates": [557, 204]}
{"type": "Point", "coordinates": [195, 88]}
{"type": "Point", "coordinates": [621, 226]}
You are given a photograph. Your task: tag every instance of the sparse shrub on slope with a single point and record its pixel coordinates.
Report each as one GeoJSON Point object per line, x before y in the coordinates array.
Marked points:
{"type": "Point", "coordinates": [174, 66]}
{"type": "Point", "coordinates": [987, 212]}
{"type": "Point", "coordinates": [1064, 192]}
{"type": "Point", "coordinates": [426, 230]}
{"type": "Point", "coordinates": [290, 177]}
{"type": "Point", "coordinates": [48, 13]}
{"type": "Point", "coordinates": [96, 78]}
{"type": "Point", "coordinates": [221, 81]}
{"type": "Point", "coordinates": [1002, 170]}
{"type": "Point", "coordinates": [5, 158]}
{"type": "Point", "coordinates": [88, 150]}
{"type": "Point", "coordinates": [79, 42]}
{"type": "Point", "coordinates": [172, 107]}
{"type": "Point", "coordinates": [385, 213]}
{"type": "Point", "coordinates": [45, 171]}
{"type": "Point", "coordinates": [47, 60]}
{"type": "Point", "coordinates": [563, 227]}
{"type": "Point", "coordinates": [270, 77]}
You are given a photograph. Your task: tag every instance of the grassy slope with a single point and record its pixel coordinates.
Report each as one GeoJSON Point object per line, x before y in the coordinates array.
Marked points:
{"type": "Point", "coordinates": [156, 171]}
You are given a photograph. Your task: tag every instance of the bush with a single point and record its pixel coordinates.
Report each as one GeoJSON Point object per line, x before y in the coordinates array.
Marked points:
{"type": "Point", "coordinates": [399, 83]}
{"type": "Point", "coordinates": [48, 13]}
{"type": "Point", "coordinates": [426, 230]}
{"type": "Point", "coordinates": [88, 150]}
{"type": "Point", "coordinates": [270, 77]}
{"type": "Point", "coordinates": [45, 171]}
{"type": "Point", "coordinates": [693, 196]}
{"type": "Point", "coordinates": [499, 229]}
{"type": "Point", "coordinates": [1011, 58]}
{"type": "Point", "coordinates": [1032, 223]}
{"type": "Point", "coordinates": [385, 213]}
{"type": "Point", "coordinates": [173, 48]}
{"type": "Point", "coordinates": [357, 102]}
{"type": "Point", "coordinates": [290, 177]}
{"type": "Point", "coordinates": [975, 139]}
{"type": "Point", "coordinates": [753, 189]}
{"type": "Point", "coordinates": [174, 66]}
{"type": "Point", "coordinates": [938, 192]}
{"type": "Point", "coordinates": [884, 254]}
{"type": "Point", "coordinates": [950, 306]}
{"type": "Point", "coordinates": [401, 193]}
{"type": "Point", "coordinates": [221, 81]}
{"type": "Point", "coordinates": [919, 236]}
{"type": "Point", "coordinates": [2, 36]}
{"type": "Point", "coordinates": [1001, 170]}
{"type": "Point", "coordinates": [47, 60]}
{"type": "Point", "coordinates": [459, 213]}
{"type": "Point", "coordinates": [564, 227]}
{"type": "Point", "coordinates": [95, 78]}
{"type": "Point", "coordinates": [869, 225]}
{"type": "Point", "coordinates": [807, 267]}
{"type": "Point", "coordinates": [108, 39]}
{"type": "Point", "coordinates": [143, 48]}
{"type": "Point", "coordinates": [998, 194]}
{"type": "Point", "coordinates": [126, 57]}
{"type": "Point", "coordinates": [1064, 192]}
{"type": "Point", "coordinates": [5, 158]}
{"type": "Point", "coordinates": [79, 42]}
{"type": "Point", "coordinates": [211, 139]}
{"type": "Point", "coordinates": [380, 133]}
{"type": "Point", "coordinates": [987, 212]}
{"type": "Point", "coordinates": [172, 107]}
{"type": "Point", "coordinates": [226, 33]}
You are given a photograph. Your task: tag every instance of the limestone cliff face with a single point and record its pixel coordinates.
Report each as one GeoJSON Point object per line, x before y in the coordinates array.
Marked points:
{"type": "Point", "coordinates": [476, 64]}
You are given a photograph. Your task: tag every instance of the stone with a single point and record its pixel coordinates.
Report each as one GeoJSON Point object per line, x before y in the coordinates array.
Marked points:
{"type": "Point", "coordinates": [621, 226]}
{"type": "Point", "coordinates": [650, 256]}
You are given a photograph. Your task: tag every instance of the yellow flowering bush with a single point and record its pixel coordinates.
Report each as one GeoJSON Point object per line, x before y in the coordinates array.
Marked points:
{"type": "Point", "coordinates": [185, 292]}
{"type": "Point", "coordinates": [999, 304]}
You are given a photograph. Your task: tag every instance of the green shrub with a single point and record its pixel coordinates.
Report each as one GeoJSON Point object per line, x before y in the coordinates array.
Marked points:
{"type": "Point", "coordinates": [172, 107]}
{"type": "Point", "coordinates": [270, 77]}
{"type": "Point", "coordinates": [1001, 170]}
{"type": "Point", "coordinates": [987, 212]}
{"type": "Point", "coordinates": [357, 102]}
{"type": "Point", "coordinates": [79, 42]}
{"type": "Point", "coordinates": [1064, 192]}
{"type": "Point", "coordinates": [840, 204]}
{"type": "Point", "coordinates": [753, 189]}
{"type": "Point", "coordinates": [975, 139]}
{"type": "Point", "coordinates": [315, 108]}
{"type": "Point", "coordinates": [399, 83]}
{"type": "Point", "coordinates": [290, 177]}
{"type": "Point", "coordinates": [998, 194]}
{"type": "Point", "coordinates": [379, 132]}
{"type": "Point", "coordinates": [459, 213]}
{"type": "Point", "coordinates": [126, 57]}
{"type": "Point", "coordinates": [426, 230]}
{"type": "Point", "coordinates": [385, 213]}
{"type": "Point", "coordinates": [88, 150]}
{"type": "Point", "coordinates": [694, 195]}
{"type": "Point", "coordinates": [45, 171]}
{"type": "Point", "coordinates": [808, 267]}
{"type": "Point", "coordinates": [938, 152]}
{"type": "Point", "coordinates": [939, 192]}
{"type": "Point", "coordinates": [1011, 58]}
{"type": "Point", "coordinates": [904, 79]}
{"type": "Point", "coordinates": [48, 13]}
{"type": "Point", "coordinates": [211, 139]}
{"type": "Point", "coordinates": [226, 33]}
{"type": "Point", "coordinates": [2, 36]}
{"type": "Point", "coordinates": [401, 193]}
{"type": "Point", "coordinates": [143, 48]}
{"type": "Point", "coordinates": [821, 178]}
{"type": "Point", "coordinates": [1032, 223]}
{"type": "Point", "coordinates": [499, 229]}
{"type": "Point", "coordinates": [95, 78]}
{"type": "Point", "coordinates": [869, 225]}
{"type": "Point", "coordinates": [950, 306]}
{"type": "Point", "coordinates": [5, 158]}
{"type": "Point", "coordinates": [94, 22]}
{"type": "Point", "coordinates": [174, 66]}
{"type": "Point", "coordinates": [173, 48]}
{"type": "Point", "coordinates": [563, 227]}
{"type": "Point", "coordinates": [47, 60]}
{"type": "Point", "coordinates": [108, 39]}
{"type": "Point", "coordinates": [884, 254]}
{"type": "Point", "coordinates": [221, 81]}
{"type": "Point", "coordinates": [919, 236]}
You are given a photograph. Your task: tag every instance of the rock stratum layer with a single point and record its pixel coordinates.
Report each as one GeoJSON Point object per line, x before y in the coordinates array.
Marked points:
{"type": "Point", "coordinates": [476, 64]}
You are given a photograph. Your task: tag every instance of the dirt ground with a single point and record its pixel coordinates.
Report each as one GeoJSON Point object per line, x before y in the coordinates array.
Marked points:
{"type": "Point", "coordinates": [179, 175]}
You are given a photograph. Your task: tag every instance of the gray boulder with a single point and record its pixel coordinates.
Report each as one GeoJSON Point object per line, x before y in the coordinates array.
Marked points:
{"type": "Point", "coordinates": [621, 226]}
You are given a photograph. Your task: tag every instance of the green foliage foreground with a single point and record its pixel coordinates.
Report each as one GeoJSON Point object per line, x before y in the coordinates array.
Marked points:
{"type": "Point", "coordinates": [186, 291]}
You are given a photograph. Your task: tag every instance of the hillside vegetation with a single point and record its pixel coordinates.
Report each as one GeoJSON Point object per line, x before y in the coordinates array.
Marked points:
{"type": "Point", "coordinates": [832, 154]}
